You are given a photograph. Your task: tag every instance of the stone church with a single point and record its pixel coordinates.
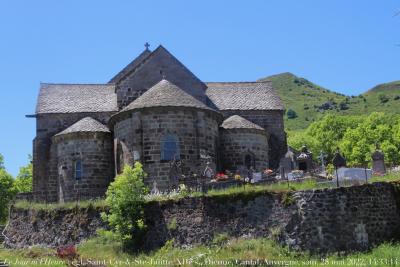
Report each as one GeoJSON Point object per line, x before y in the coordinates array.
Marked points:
{"type": "Point", "coordinates": [155, 111]}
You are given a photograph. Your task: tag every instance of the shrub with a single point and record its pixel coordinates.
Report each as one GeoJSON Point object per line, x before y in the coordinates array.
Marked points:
{"type": "Point", "coordinates": [172, 225]}
{"type": "Point", "coordinates": [220, 239]}
{"type": "Point", "coordinates": [343, 106]}
{"type": "Point", "coordinates": [291, 114]}
{"type": "Point", "coordinates": [383, 98]}
{"type": "Point", "coordinates": [23, 181]}
{"type": "Point", "coordinates": [125, 197]}
{"type": "Point", "coordinates": [7, 193]}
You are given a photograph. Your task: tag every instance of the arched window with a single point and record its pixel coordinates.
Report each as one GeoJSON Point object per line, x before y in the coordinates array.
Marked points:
{"type": "Point", "coordinates": [78, 169]}
{"type": "Point", "coordinates": [170, 147]}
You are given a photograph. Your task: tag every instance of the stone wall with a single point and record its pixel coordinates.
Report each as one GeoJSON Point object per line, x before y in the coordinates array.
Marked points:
{"type": "Point", "coordinates": [44, 163]}
{"type": "Point", "coordinates": [272, 121]}
{"type": "Point", "coordinates": [328, 220]}
{"type": "Point", "coordinates": [52, 228]}
{"type": "Point", "coordinates": [236, 144]}
{"type": "Point", "coordinates": [160, 64]}
{"type": "Point", "coordinates": [95, 151]}
{"type": "Point", "coordinates": [141, 133]}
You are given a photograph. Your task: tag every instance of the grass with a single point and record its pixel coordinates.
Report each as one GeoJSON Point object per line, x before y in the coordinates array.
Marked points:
{"type": "Point", "coordinates": [390, 177]}
{"type": "Point", "coordinates": [233, 252]}
{"type": "Point", "coordinates": [97, 204]}
{"type": "Point", "coordinates": [35, 256]}
{"type": "Point", "coordinates": [223, 252]}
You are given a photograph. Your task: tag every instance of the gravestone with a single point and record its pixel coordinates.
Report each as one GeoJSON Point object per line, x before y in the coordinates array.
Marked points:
{"type": "Point", "coordinates": [378, 162]}
{"type": "Point", "coordinates": [338, 160]}
{"type": "Point", "coordinates": [304, 160]}
{"type": "Point", "coordinates": [287, 164]}
{"type": "Point", "coordinates": [322, 157]}
{"type": "Point", "coordinates": [154, 190]}
{"type": "Point", "coordinates": [352, 174]}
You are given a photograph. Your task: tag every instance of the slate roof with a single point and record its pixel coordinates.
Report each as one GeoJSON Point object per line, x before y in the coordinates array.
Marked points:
{"type": "Point", "coordinates": [71, 98]}
{"type": "Point", "coordinates": [238, 122]}
{"type": "Point", "coordinates": [87, 124]}
{"type": "Point", "coordinates": [244, 96]}
{"type": "Point", "coordinates": [131, 66]}
{"type": "Point", "coordinates": [165, 94]}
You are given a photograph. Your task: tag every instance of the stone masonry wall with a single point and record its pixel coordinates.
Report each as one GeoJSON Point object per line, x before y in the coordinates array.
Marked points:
{"type": "Point", "coordinates": [328, 220]}
{"type": "Point", "coordinates": [52, 228]}
{"type": "Point", "coordinates": [95, 151]}
{"type": "Point", "coordinates": [160, 64]}
{"type": "Point", "coordinates": [44, 164]}
{"type": "Point", "coordinates": [197, 131]}
{"type": "Point", "coordinates": [272, 121]}
{"type": "Point", "coordinates": [237, 143]}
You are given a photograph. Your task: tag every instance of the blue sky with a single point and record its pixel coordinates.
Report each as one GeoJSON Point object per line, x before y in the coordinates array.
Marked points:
{"type": "Point", "coordinates": [347, 46]}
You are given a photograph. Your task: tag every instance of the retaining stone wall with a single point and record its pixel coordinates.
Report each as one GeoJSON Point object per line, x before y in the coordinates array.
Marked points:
{"type": "Point", "coordinates": [328, 220]}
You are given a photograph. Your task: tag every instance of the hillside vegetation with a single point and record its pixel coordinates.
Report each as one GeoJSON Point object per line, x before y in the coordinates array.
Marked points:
{"type": "Point", "coordinates": [310, 101]}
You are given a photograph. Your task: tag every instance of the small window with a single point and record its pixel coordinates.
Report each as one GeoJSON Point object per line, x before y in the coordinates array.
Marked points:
{"type": "Point", "coordinates": [78, 170]}
{"type": "Point", "coordinates": [170, 147]}
{"type": "Point", "coordinates": [249, 161]}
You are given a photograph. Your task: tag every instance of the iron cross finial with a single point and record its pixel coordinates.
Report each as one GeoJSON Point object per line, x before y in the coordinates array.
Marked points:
{"type": "Point", "coordinates": [147, 45]}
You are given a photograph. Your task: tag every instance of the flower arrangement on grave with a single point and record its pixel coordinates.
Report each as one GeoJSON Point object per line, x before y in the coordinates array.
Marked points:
{"type": "Point", "coordinates": [268, 171]}
{"type": "Point", "coordinates": [237, 177]}
{"type": "Point", "coordinates": [221, 177]}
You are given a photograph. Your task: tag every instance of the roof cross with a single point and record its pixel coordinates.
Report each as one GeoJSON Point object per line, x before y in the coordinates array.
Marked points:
{"type": "Point", "coordinates": [147, 45]}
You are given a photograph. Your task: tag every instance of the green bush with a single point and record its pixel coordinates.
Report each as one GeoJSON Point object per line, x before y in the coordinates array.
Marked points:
{"type": "Point", "coordinates": [383, 98]}
{"type": "Point", "coordinates": [125, 198]}
{"type": "Point", "coordinates": [291, 114]}
{"type": "Point", "coordinates": [7, 193]}
{"type": "Point", "coordinates": [23, 182]}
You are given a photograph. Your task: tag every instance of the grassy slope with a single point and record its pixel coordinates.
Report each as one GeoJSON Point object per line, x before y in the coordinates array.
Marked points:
{"type": "Point", "coordinates": [233, 251]}
{"type": "Point", "coordinates": [297, 92]}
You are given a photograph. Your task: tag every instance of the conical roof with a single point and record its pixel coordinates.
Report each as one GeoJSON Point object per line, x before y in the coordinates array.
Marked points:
{"type": "Point", "coordinates": [238, 122]}
{"type": "Point", "coordinates": [87, 124]}
{"type": "Point", "coordinates": [165, 94]}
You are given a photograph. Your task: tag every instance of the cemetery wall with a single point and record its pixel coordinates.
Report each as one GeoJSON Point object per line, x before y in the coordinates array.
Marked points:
{"type": "Point", "coordinates": [326, 220]}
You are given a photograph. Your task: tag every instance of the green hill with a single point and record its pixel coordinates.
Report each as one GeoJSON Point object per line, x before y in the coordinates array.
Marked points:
{"type": "Point", "coordinates": [310, 101]}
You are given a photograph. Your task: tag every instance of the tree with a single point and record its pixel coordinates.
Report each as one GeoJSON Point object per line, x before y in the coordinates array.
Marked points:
{"type": "Point", "coordinates": [359, 142]}
{"type": "Point", "coordinates": [329, 131]}
{"type": "Point", "coordinates": [7, 193]}
{"type": "Point", "coordinates": [23, 182]}
{"type": "Point", "coordinates": [1, 161]}
{"type": "Point", "coordinates": [125, 197]}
